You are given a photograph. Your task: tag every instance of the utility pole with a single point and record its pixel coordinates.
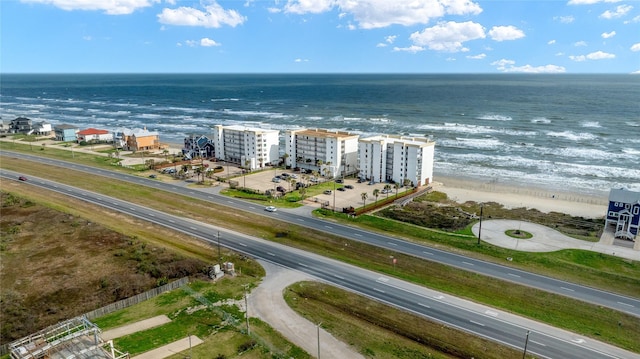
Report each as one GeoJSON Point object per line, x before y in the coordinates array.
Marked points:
{"type": "Point", "coordinates": [246, 313]}
{"type": "Point", "coordinates": [480, 227]}
{"type": "Point", "coordinates": [318, 327]}
{"type": "Point", "coordinates": [525, 346]}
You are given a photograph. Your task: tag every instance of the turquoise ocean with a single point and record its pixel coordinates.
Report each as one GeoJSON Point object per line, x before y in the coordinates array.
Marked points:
{"type": "Point", "coordinates": [578, 133]}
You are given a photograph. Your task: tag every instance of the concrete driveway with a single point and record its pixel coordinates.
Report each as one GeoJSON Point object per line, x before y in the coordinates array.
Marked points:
{"type": "Point", "coordinates": [544, 239]}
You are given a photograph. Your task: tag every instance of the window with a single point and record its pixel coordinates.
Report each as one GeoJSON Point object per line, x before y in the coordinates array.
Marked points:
{"type": "Point", "coordinates": [636, 210]}
{"type": "Point", "coordinates": [612, 214]}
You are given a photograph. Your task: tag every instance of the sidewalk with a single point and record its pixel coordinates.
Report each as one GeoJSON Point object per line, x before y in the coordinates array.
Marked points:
{"type": "Point", "coordinates": [545, 239]}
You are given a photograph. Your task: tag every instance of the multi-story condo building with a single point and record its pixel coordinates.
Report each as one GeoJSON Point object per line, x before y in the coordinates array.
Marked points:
{"type": "Point", "coordinates": [248, 147]}
{"type": "Point", "coordinates": [396, 158]}
{"type": "Point", "coordinates": [330, 153]}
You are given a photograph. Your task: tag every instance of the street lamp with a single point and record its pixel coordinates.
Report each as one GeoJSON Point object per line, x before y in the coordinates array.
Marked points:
{"type": "Point", "coordinates": [524, 353]}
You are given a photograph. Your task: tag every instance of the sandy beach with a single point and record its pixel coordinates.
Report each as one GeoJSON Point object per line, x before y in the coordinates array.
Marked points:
{"type": "Point", "coordinates": [577, 204]}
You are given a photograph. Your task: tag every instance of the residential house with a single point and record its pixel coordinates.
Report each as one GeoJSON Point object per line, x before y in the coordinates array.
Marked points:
{"type": "Point", "coordinates": [396, 158]}
{"type": "Point", "coordinates": [624, 213]}
{"type": "Point", "coordinates": [198, 146]}
{"type": "Point", "coordinates": [95, 136]}
{"type": "Point", "coordinates": [21, 125]}
{"type": "Point", "coordinates": [65, 133]}
{"type": "Point", "coordinates": [142, 140]}
{"type": "Point", "coordinates": [5, 126]}
{"type": "Point", "coordinates": [42, 128]}
{"type": "Point", "coordinates": [330, 153]}
{"type": "Point", "coordinates": [246, 146]}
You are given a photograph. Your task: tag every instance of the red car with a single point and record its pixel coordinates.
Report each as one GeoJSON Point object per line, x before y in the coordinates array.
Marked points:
{"type": "Point", "coordinates": [22, 178]}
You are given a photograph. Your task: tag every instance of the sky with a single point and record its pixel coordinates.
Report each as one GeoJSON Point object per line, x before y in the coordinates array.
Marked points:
{"type": "Point", "coordinates": [319, 36]}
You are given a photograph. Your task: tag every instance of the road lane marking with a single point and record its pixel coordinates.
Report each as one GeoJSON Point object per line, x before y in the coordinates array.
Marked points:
{"type": "Point", "coordinates": [491, 313]}
{"type": "Point", "coordinates": [271, 254]}
{"type": "Point", "coordinates": [383, 279]}
{"type": "Point", "coordinates": [303, 265]}
{"type": "Point", "coordinates": [513, 275]}
{"type": "Point", "coordinates": [569, 289]}
{"type": "Point", "coordinates": [193, 228]}
{"type": "Point", "coordinates": [357, 234]}
{"type": "Point", "coordinates": [579, 341]}
{"type": "Point", "coordinates": [627, 304]}
{"type": "Point", "coordinates": [423, 305]}
{"type": "Point", "coordinates": [438, 296]}
{"type": "Point", "coordinates": [327, 227]}
{"type": "Point", "coordinates": [393, 244]}
{"type": "Point", "coordinates": [172, 221]}
{"type": "Point", "coordinates": [242, 244]}
{"type": "Point", "coordinates": [300, 219]}
{"type": "Point", "coordinates": [210, 197]}
{"type": "Point", "coordinates": [378, 290]}
{"type": "Point", "coordinates": [467, 263]}
{"type": "Point", "coordinates": [477, 323]}
{"type": "Point", "coordinates": [429, 253]}
{"type": "Point", "coordinates": [151, 215]}
{"type": "Point", "coordinates": [339, 277]}
{"type": "Point", "coordinates": [535, 342]}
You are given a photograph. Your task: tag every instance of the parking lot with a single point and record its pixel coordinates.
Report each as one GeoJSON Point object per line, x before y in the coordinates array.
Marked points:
{"type": "Point", "coordinates": [263, 181]}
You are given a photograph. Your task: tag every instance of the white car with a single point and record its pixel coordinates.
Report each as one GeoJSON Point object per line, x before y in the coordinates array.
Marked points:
{"type": "Point", "coordinates": [270, 209]}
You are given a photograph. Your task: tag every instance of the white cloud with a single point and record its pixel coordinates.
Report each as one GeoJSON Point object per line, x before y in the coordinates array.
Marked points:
{"type": "Point", "coordinates": [580, 43]}
{"type": "Point", "coordinates": [589, 2]}
{"type": "Point", "coordinates": [477, 57]}
{"type": "Point", "coordinates": [607, 35]}
{"type": "Point", "coordinates": [635, 19]}
{"type": "Point", "coordinates": [620, 11]}
{"type": "Point", "coordinates": [412, 49]}
{"type": "Point", "coordinates": [448, 36]}
{"type": "Point", "coordinates": [87, 38]}
{"type": "Point", "coordinates": [551, 42]}
{"type": "Point", "coordinates": [213, 16]}
{"type": "Point", "coordinates": [598, 55]}
{"type": "Point", "coordinates": [387, 41]}
{"type": "Point", "coordinates": [299, 60]}
{"type": "Point", "coordinates": [110, 7]}
{"type": "Point", "coordinates": [191, 43]}
{"type": "Point", "coordinates": [371, 14]}
{"type": "Point", "coordinates": [635, 47]}
{"type": "Point", "coordinates": [565, 19]}
{"type": "Point", "coordinates": [508, 66]}
{"type": "Point", "coordinates": [207, 42]}
{"type": "Point", "coordinates": [504, 33]}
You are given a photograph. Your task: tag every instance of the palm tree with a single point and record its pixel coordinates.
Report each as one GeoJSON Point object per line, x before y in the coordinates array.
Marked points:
{"type": "Point", "coordinates": [396, 185]}
{"type": "Point", "coordinates": [364, 196]}
{"type": "Point", "coordinates": [387, 188]}
{"type": "Point", "coordinates": [303, 192]}
{"type": "Point", "coordinates": [292, 182]}
{"type": "Point", "coordinates": [198, 172]}
{"type": "Point", "coordinates": [244, 178]}
{"type": "Point", "coordinates": [407, 182]}
{"type": "Point", "coordinates": [165, 152]}
{"type": "Point", "coordinates": [376, 193]}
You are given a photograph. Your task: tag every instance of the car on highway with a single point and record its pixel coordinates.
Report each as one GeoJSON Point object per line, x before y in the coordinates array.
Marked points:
{"type": "Point", "coordinates": [22, 178]}
{"type": "Point", "coordinates": [270, 209]}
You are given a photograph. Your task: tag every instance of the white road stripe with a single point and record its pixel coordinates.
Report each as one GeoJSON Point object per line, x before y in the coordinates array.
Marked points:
{"type": "Point", "coordinates": [477, 323]}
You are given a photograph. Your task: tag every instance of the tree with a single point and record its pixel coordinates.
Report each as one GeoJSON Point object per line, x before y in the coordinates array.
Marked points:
{"type": "Point", "coordinates": [364, 196]}
{"type": "Point", "coordinates": [397, 187]}
{"type": "Point", "coordinates": [199, 172]}
{"type": "Point", "coordinates": [387, 188]}
{"type": "Point", "coordinates": [303, 192]}
{"type": "Point", "coordinates": [407, 182]}
{"type": "Point", "coordinates": [376, 193]}
{"type": "Point", "coordinates": [284, 159]}
{"type": "Point", "coordinates": [184, 170]}
{"type": "Point", "coordinates": [292, 183]}
{"type": "Point", "coordinates": [165, 152]}
{"type": "Point", "coordinates": [246, 169]}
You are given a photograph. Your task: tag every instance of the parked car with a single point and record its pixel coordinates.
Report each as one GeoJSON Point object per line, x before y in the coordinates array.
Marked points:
{"type": "Point", "coordinates": [385, 191]}
{"type": "Point", "coordinates": [339, 180]}
{"type": "Point", "coordinates": [275, 179]}
{"type": "Point", "coordinates": [152, 176]}
{"type": "Point", "coordinates": [313, 179]}
{"type": "Point", "coordinates": [300, 185]}
{"type": "Point", "coordinates": [360, 180]}
{"type": "Point", "coordinates": [341, 189]}
{"type": "Point", "coordinates": [293, 175]}
{"type": "Point", "coordinates": [348, 186]}
{"type": "Point", "coordinates": [280, 189]}
{"type": "Point", "coordinates": [22, 178]}
{"type": "Point", "coordinates": [270, 209]}
{"type": "Point", "coordinates": [327, 191]}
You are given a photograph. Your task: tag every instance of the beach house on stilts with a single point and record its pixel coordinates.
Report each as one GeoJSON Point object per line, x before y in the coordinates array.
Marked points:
{"type": "Point", "coordinates": [624, 213]}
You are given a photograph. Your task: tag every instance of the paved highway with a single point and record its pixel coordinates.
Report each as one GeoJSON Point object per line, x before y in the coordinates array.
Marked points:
{"type": "Point", "coordinates": [543, 341]}
{"type": "Point", "coordinates": [606, 299]}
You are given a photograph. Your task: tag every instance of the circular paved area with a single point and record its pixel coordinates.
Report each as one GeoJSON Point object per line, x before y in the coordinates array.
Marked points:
{"type": "Point", "coordinates": [544, 239]}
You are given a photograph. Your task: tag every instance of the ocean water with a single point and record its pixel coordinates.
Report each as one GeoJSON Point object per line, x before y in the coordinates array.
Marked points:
{"type": "Point", "coordinates": [579, 133]}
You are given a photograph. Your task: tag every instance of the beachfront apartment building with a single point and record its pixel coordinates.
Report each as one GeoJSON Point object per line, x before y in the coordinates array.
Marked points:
{"type": "Point", "coordinates": [248, 147]}
{"type": "Point", "coordinates": [624, 213]}
{"type": "Point", "coordinates": [387, 158]}
{"type": "Point", "coordinates": [330, 153]}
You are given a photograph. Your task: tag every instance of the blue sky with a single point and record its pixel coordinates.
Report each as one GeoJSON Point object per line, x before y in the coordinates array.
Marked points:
{"type": "Point", "coordinates": [320, 36]}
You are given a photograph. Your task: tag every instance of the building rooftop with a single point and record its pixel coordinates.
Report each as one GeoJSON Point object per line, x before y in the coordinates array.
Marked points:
{"type": "Point", "coordinates": [316, 132]}
{"type": "Point", "coordinates": [248, 129]}
{"type": "Point", "coordinates": [408, 140]}
{"type": "Point", "coordinates": [93, 131]}
{"type": "Point", "coordinates": [623, 195]}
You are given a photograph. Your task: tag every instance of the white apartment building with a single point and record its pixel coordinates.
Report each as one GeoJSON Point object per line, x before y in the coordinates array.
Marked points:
{"type": "Point", "coordinates": [245, 146]}
{"type": "Point", "coordinates": [330, 153]}
{"type": "Point", "coordinates": [396, 158]}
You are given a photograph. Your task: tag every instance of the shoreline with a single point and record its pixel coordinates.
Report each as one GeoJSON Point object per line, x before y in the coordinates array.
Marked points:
{"type": "Point", "coordinates": [462, 189]}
